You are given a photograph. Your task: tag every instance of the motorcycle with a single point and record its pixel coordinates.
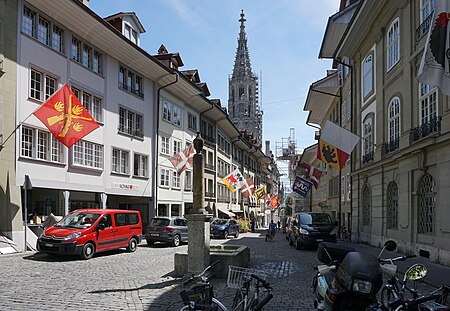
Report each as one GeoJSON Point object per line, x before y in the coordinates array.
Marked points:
{"type": "Point", "coordinates": [347, 280]}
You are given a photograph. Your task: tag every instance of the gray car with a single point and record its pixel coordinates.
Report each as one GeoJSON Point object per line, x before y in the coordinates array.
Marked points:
{"type": "Point", "coordinates": [172, 230]}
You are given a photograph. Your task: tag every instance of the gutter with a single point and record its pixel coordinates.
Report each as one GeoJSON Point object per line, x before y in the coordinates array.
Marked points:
{"type": "Point", "coordinates": [156, 142]}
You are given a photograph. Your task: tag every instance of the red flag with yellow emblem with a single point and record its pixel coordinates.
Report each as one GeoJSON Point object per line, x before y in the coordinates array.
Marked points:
{"type": "Point", "coordinates": [66, 117]}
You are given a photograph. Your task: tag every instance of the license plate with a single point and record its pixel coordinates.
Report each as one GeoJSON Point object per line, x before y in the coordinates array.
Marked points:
{"type": "Point", "coordinates": [154, 234]}
{"type": "Point", "coordinates": [48, 244]}
{"type": "Point", "coordinates": [319, 240]}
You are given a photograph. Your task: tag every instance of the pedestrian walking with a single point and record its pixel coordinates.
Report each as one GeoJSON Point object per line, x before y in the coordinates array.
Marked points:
{"type": "Point", "coordinates": [278, 224]}
{"type": "Point", "coordinates": [271, 232]}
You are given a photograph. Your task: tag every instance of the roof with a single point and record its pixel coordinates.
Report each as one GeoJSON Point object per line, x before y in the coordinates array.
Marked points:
{"type": "Point", "coordinates": [132, 14]}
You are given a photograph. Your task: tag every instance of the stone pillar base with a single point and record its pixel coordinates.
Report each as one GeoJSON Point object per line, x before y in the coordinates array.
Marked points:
{"type": "Point", "coordinates": [198, 245]}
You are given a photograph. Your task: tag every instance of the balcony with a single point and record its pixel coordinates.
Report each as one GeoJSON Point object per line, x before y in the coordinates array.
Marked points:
{"type": "Point", "coordinates": [368, 157]}
{"type": "Point", "coordinates": [423, 28]}
{"type": "Point", "coordinates": [426, 129]}
{"type": "Point", "coordinates": [392, 146]}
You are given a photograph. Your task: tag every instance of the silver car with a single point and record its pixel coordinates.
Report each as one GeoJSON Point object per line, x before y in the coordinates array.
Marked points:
{"type": "Point", "coordinates": [172, 230]}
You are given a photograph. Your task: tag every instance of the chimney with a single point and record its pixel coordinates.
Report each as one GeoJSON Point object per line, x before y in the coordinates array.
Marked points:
{"type": "Point", "coordinates": [85, 2]}
{"type": "Point", "coordinates": [267, 147]}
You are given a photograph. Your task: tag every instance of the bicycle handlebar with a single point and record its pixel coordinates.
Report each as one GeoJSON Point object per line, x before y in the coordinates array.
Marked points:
{"type": "Point", "coordinates": [263, 282]}
{"type": "Point", "coordinates": [400, 258]}
{"type": "Point", "coordinates": [193, 276]}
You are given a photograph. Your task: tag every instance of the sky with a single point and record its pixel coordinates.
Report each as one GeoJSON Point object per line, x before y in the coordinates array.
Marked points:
{"type": "Point", "coordinates": [283, 37]}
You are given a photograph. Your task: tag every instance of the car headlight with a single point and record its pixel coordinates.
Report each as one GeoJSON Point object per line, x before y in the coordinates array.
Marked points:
{"type": "Point", "coordinates": [72, 236]}
{"type": "Point", "coordinates": [362, 286]}
{"type": "Point", "coordinates": [304, 231]}
{"type": "Point", "coordinates": [333, 231]}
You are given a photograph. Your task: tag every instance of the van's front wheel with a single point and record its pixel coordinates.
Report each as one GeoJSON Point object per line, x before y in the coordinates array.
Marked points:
{"type": "Point", "coordinates": [88, 251]}
{"type": "Point", "coordinates": [132, 245]}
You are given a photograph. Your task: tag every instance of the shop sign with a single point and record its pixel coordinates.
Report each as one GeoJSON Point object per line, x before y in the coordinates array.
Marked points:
{"type": "Point", "coordinates": [123, 186]}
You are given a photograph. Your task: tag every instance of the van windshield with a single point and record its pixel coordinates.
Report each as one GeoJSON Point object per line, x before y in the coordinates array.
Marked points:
{"type": "Point", "coordinates": [315, 219]}
{"type": "Point", "coordinates": [78, 220]}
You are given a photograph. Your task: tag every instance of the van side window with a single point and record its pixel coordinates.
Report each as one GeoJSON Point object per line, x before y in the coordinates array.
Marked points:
{"type": "Point", "coordinates": [106, 220]}
{"type": "Point", "coordinates": [125, 219]}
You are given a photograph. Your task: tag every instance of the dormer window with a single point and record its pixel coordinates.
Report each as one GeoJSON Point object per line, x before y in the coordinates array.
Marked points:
{"type": "Point", "coordinates": [130, 33]}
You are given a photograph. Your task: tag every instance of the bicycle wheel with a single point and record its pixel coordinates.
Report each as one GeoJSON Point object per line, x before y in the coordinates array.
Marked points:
{"type": "Point", "coordinates": [238, 301]}
{"type": "Point", "coordinates": [387, 294]}
{"type": "Point", "coordinates": [220, 306]}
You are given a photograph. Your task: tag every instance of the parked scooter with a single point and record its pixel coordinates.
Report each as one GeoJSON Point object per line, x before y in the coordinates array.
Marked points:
{"type": "Point", "coordinates": [347, 280]}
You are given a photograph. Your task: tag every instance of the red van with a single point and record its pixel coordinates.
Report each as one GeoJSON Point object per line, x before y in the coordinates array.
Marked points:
{"type": "Point", "coordinates": [88, 231]}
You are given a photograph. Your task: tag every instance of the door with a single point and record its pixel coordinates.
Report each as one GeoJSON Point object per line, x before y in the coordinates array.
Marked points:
{"type": "Point", "coordinates": [123, 230]}
{"type": "Point", "coordinates": [106, 238]}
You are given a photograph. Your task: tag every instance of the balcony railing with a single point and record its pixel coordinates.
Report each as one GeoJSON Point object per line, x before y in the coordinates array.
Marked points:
{"type": "Point", "coordinates": [368, 157]}
{"type": "Point", "coordinates": [209, 194]}
{"type": "Point", "coordinates": [392, 145]}
{"type": "Point", "coordinates": [423, 28]}
{"type": "Point", "coordinates": [209, 166]}
{"type": "Point", "coordinates": [428, 128]}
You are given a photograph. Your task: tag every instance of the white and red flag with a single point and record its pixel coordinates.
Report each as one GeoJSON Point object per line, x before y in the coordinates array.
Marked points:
{"type": "Point", "coordinates": [312, 173]}
{"type": "Point", "coordinates": [183, 160]}
{"type": "Point", "coordinates": [435, 67]}
{"type": "Point", "coordinates": [248, 188]}
{"type": "Point", "coordinates": [335, 144]}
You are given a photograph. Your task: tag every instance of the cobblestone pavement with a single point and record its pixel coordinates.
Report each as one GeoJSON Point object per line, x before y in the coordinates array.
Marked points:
{"type": "Point", "coordinates": [143, 280]}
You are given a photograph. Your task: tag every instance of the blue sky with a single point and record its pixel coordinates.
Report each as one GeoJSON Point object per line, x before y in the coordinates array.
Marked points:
{"type": "Point", "coordinates": [284, 38]}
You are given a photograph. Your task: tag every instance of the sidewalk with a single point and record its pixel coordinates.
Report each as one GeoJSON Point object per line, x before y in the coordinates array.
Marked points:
{"type": "Point", "coordinates": [437, 274]}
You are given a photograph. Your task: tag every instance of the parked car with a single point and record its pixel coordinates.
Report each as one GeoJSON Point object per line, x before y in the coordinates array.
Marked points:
{"type": "Point", "coordinates": [88, 231]}
{"type": "Point", "coordinates": [309, 229]}
{"type": "Point", "coordinates": [224, 227]}
{"type": "Point", "coordinates": [172, 230]}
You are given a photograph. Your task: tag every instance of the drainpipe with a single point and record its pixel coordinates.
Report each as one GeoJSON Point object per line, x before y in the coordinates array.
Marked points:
{"type": "Point", "coordinates": [156, 140]}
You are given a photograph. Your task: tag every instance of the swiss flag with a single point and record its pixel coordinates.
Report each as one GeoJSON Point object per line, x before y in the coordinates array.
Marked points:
{"type": "Point", "coordinates": [248, 188]}
{"type": "Point", "coordinates": [184, 160]}
{"type": "Point", "coordinates": [66, 117]}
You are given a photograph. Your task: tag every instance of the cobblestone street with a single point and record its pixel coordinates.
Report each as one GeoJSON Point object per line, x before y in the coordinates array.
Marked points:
{"type": "Point", "coordinates": [143, 280]}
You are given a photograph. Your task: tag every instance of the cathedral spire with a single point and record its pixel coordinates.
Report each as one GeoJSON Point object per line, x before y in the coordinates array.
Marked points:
{"type": "Point", "coordinates": [242, 66]}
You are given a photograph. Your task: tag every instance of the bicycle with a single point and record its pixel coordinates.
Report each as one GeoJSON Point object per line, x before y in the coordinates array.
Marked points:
{"type": "Point", "coordinates": [394, 292]}
{"type": "Point", "coordinates": [200, 295]}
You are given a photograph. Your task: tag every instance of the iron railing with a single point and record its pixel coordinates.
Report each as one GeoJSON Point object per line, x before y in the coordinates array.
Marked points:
{"type": "Point", "coordinates": [391, 146]}
{"type": "Point", "coordinates": [423, 28]}
{"type": "Point", "coordinates": [368, 157]}
{"type": "Point", "coordinates": [428, 128]}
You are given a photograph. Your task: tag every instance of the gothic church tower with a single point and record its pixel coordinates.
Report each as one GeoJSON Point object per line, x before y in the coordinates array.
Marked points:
{"type": "Point", "coordinates": [243, 106]}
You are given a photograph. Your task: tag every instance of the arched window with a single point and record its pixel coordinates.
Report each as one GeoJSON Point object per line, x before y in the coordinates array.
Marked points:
{"type": "Point", "coordinates": [393, 44]}
{"type": "Point", "coordinates": [427, 103]}
{"type": "Point", "coordinates": [427, 203]}
{"type": "Point", "coordinates": [392, 206]}
{"type": "Point", "coordinates": [368, 75]}
{"type": "Point", "coordinates": [394, 119]}
{"type": "Point", "coordinates": [366, 205]}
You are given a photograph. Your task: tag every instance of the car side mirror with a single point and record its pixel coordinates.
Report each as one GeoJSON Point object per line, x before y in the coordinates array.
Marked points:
{"type": "Point", "coordinates": [101, 226]}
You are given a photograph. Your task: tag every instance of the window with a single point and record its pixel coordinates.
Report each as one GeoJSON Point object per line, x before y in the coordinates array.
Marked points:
{"type": "Point", "coordinates": [84, 54]}
{"type": "Point", "coordinates": [366, 205]}
{"type": "Point", "coordinates": [131, 82]}
{"type": "Point", "coordinates": [164, 177]}
{"type": "Point", "coordinates": [171, 113]}
{"type": "Point", "coordinates": [368, 75]}
{"type": "Point", "coordinates": [93, 104]}
{"type": "Point", "coordinates": [393, 44]}
{"type": "Point", "coordinates": [176, 181]}
{"type": "Point", "coordinates": [368, 135]}
{"type": "Point", "coordinates": [41, 145]}
{"type": "Point", "coordinates": [130, 33]}
{"type": "Point", "coordinates": [88, 154]}
{"type": "Point", "coordinates": [42, 85]}
{"type": "Point", "coordinates": [188, 181]}
{"type": "Point", "coordinates": [176, 146]}
{"type": "Point", "coordinates": [192, 122]}
{"type": "Point", "coordinates": [42, 29]}
{"type": "Point", "coordinates": [394, 119]}
{"type": "Point", "coordinates": [427, 103]}
{"type": "Point", "coordinates": [392, 206]}
{"type": "Point", "coordinates": [427, 204]}
{"type": "Point", "coordinates": [120, 161]}
{"type": "Point", "coordinates": [165, 145]}
{"type": "Point", "coordinates": [140, 165]}
{"type": "Point", "coordinates": [130, 123]}
{"type": "Point", "coordinates": [426, 7]}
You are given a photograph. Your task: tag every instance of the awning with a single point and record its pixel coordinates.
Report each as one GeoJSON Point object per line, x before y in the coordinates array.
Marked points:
{"type": "Point", "coordinates": [320, 96]}
{"type": "Point", "coordinates": [336, 26]}
{"type": "Point", "coordinates": [229, 214]}
{"type": "Point", "coordinates": [309, 154]}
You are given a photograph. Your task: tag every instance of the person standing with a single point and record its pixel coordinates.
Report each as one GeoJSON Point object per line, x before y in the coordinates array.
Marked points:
{"type": "Point", "coordinates": [272, 229]}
